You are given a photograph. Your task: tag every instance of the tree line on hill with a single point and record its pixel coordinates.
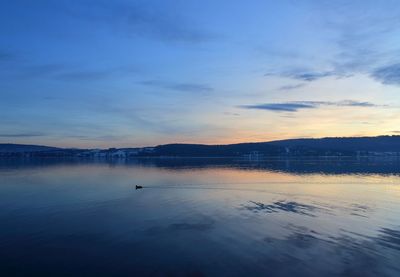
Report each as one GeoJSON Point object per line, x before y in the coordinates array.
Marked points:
{"type": "Point", "coordinates": [340, 146]}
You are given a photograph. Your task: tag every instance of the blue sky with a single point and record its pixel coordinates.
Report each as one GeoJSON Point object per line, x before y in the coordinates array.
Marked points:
{"type": "Point", "coordinates": [134, 73]}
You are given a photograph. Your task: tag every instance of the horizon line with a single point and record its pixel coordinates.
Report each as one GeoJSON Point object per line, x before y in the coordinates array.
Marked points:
{"type": "Point", "coordinates": [207, 144]}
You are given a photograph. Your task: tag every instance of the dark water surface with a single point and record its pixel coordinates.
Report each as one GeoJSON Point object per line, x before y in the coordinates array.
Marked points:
{"type": "Point", "coordinates": [200, 218]}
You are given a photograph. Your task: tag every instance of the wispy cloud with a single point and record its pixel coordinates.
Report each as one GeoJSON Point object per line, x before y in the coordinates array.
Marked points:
{"type": "Point", "coordinates": [231, 114]}
{"type": "Point", "coordinates": [343, 103]}
{"type": "Point", "coordinates": [295, 106]}
{"type": "Point", "coordinates": [84, 75]}
{"type": "Point", "coordinates": [280, 107]}
{"type": "Point", "coordinates": [388, 74]}
{"type": "Point", "coordinates": [21, 135]}
{"type": "Point", "coordinates": [144, 19]}
{"type": "Point", "coordinates": [92, 75]}
{"type": "Point", "coordinates": [363, 33]}
{"type": "Point", "coordinates": [364, 40]}
{"type": "Point", "coordinates": [309, 76]}
{"type": "Point", "coordinates": [187, 87]}
{"type": "Point", "coordinates": [292, 87]}
{"type": "Point", "coordinates": [303, 74]}
{"type": "Point", "coordinates": [93, 137]}
{"type": "Point", "coordinates": [67, 72]}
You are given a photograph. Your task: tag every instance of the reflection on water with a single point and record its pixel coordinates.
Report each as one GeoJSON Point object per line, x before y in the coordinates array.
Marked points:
{"type": "Point", "coordinates": [285, 206]}
{"type": "Point", "coordinates": [200, 217]}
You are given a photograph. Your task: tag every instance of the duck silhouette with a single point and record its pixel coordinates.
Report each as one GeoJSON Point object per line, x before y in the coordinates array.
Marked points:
{"type": "Point", "coordinates": [138, 187]}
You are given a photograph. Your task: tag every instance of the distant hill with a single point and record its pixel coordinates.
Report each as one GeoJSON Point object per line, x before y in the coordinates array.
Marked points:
{"type": "Point", "coordinates": [344, 145]}
{"type": "Point", "coordinates": [19, 148]}
{"type": "Point", "coordinates": [202, 150]}
{"type": "Point", "coordinates": [291, 147]}
{"type": "Point", "coordinates": [340, 146]}
{"type": "Point", "coordinates": [379, 144]}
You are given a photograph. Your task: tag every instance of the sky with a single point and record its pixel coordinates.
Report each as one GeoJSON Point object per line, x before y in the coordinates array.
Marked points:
{"type": "Point", "coordinates": [99, 73]}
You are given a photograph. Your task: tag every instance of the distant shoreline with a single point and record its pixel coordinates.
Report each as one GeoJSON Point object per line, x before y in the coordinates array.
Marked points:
{"type": "Point", "coordinates": [324, 147]}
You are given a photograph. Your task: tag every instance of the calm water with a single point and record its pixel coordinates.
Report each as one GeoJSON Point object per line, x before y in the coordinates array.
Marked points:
{"type": "Point", "coordinates": [200, 218]}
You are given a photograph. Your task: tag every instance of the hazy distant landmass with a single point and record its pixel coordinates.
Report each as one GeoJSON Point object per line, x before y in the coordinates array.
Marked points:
{"type": "Point", "coordinates": [19, 148]}
{"type": "Point", "coordinates": [380, 143]}
{"type": "Point", "coordinates": [339, 146]}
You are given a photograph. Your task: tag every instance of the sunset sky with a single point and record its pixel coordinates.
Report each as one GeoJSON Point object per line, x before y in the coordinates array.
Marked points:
{"type": "Point", "coordinates": [136, 73]}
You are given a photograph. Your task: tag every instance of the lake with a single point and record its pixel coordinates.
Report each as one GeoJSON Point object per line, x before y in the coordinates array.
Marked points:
{"type": "Point", "coordinates": [200, 217]}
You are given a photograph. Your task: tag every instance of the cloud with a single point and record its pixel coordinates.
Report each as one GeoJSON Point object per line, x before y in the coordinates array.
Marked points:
{"type": "Point", "coordinates": [230, 113]}
{"type": "Point", "coordinates": [364, 40]}
{"type": "Point", "coordinates": [143, 19]}
{"type": "Point", "coordinates": [292, 87]}
{"type": "Point", "coordinates": [21, 135]}
{"type": "Point", "coordinates": [388, 74]}
{"type": "Point", "coordinates": [303, 75]}
{"type": "Point", "coordinates": [92, 75]}
{"type": "Point", "coordinates": [83, 75]}
{"type": "Point", "coordinates": [280, 107]}
{"type": "Point", "coordinates": [310, 76]}
{"type": "Point", "coordinates": [94, 138]}
{"type": "Point", "coordinates": [187, 87]}
{"type": "Point", "coordinates": [67, 72]}
{"type": "Point", "coordinates": [343, 103]}
{"type": "Point", "coordinates": [166, 28]}
{"type": "Point", "coordinates": [295, 106]}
